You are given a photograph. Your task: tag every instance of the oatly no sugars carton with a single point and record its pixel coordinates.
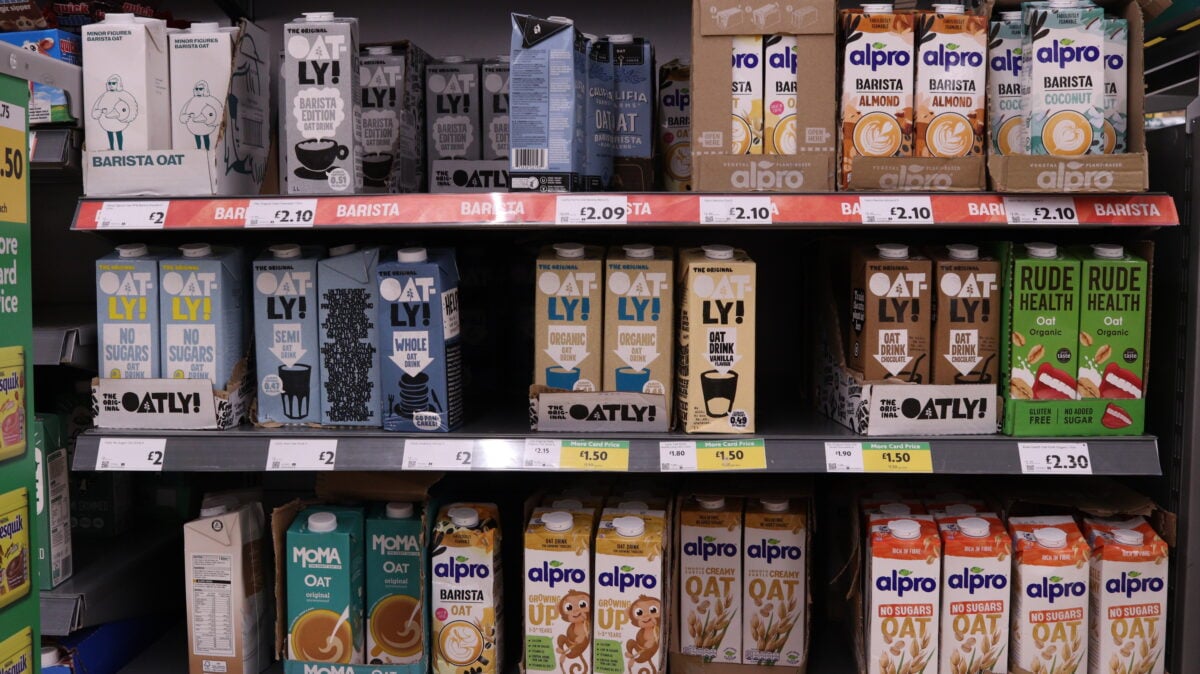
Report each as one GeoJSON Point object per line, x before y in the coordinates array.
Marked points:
{"type": "Point", "coordinates": [202, 303]}
{"type": "Point", "coordinates": [127, 313]}
{"type": "Point", "coordinates": [285, 335]}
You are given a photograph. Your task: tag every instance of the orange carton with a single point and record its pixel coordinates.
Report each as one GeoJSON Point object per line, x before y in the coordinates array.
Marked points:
{"type": "Point", "coordinates": [975, 593]}
{"type": "Point", "coordinates": [1050, 596]}
{"type": "Point", "coordinates": [903, 584]}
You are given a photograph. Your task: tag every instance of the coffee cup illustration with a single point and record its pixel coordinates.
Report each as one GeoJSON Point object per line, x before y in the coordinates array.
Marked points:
{"type": "Point", "coordinates": [322, 636]}
{"type": "Point", "coordinates": [296, 382]}
{"type": "Point", "coordinates": [461, 644]}
{"type": "Point", "coordinates": [632, 379]}
{"type": "Point", "coordinates": [561, 377]}
{"type": "Point", "coordinates": [719, 389]}
{"type": "Point", "coordinates": [396, 628]}
{"type": "Point", "coordinates": [377, 166]}
{"type": "Point", "coordinates": [318, 155]}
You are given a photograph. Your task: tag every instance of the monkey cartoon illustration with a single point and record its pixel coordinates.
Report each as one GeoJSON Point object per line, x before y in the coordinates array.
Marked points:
{"type": "Point", "coordinates": [645, 613]}
{"type": "Point", "coordinates": [575, 608]}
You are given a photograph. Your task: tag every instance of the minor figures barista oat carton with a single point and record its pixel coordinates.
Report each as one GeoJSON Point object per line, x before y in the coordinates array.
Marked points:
{"type": "Point", "coordinates": [468, 592]}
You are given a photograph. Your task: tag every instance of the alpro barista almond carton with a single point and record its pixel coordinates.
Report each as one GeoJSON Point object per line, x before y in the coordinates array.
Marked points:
{"type": "Point", "coordinates": [890, 311]}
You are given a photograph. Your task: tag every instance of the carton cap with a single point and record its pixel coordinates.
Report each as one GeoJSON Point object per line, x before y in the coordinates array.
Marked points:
{"type": "Point", "coordinates": [710, 502]}
{"type": "Point", "coordinates": [412, 255]}
{"type": "Point", "coordinates": [454, 59]}
{"type": "Point", "coordinates": [322, 522]}
{"type": "Point", "coordinates": [50, 656]}
{"type": "Point", "coordinates": [133, 250]}
{"type": "Point", "coordinates": [632, 505]}
{"type": "Point", "coordinates": [1108, 251]}
{"type": "Point", "coordinates": [561, 19]}
{"type": "Point", "coordinates": [196, 250]}
{"type": "Point", "coordinates": [463, 517]}
{"type": "Point", "coordinates": [566, 504]}
{"type": "Point", "coordinates": [895, 509]}
{"type": "Point", "coordinates": [318, 16]}
{"type": "Point", "coordinates": [629, 526]}
{"type": "Point", "coordinates": [1041, 249]}
{"type": "Point", "coordinates": [1128, 536]}
{"type": "Point", "coordinates": [904, 529]}
{"type": "Point", "coordinates": [569, 250]}
{"type": "Point", "coordinates": [892, 251]}
{"type": "Point", "coordinates": [558, 520]}
{"type": "Point", "coordinates": [774, 505]}
{"type": "Point", "coordinates": [1050, 537]}
{"type": "Point", "coordinates": [963, 251]}
{"type": "Point", "coordinates": [877, 8]}
{"type": "Point", "coordinates": [718, 252]}
{"type": "Point", "coordinates": [639, 250]}
{"type": "Point", "coordinates": [948, 8]}
{"type": "Point", "coordinates": [620, 38]}
{"type": "Point", "coordinates": [975, 527]}
{"type": "Point", "coordinates": [218, 506]}
{"type": "Point", "coordinates": [1010, 16]}
{"type": "Point", "coordinates": [956, 509]}
{"type": "Point", "coordinates": [590, 37]}
{"type": "Point", "coordinates": [205, 27]}
{"type": "Point", "coordinates": [285, 251]}
{"type": "Point", "coordinates": [379, 50]}
{"type": "Point", "coordinates": [346, 249]}
{"type": "Point", "coordinates": [118, 18]}
{"type": "Point", "coordinates": [398, 510]}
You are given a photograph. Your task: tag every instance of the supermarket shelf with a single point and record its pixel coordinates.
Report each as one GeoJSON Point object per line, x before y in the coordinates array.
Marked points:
{"type": "Point", "coordinates": [65, 336]}
{"type": "Point", "coordinates": [523, 211]}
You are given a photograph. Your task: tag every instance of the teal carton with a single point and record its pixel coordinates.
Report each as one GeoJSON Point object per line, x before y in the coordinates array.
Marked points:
{"type": "Point", "coordinates": [420, 345]}
{"type": "Point", "coordinates": [285, 334]}
{"type": "Point", "coordinates": [395, 565]}
{"type": "Point", "coordinates": [127, 313]}
{"type": "Point", "coordinates": [349, 337]}
{"type": "Point", "coordinates": [202, 302]}
{"type": "Point", "coordinates": [325, 585]}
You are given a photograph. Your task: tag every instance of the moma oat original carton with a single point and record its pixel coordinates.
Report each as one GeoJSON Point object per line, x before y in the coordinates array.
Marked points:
{"type": "Point", "coordinates": [395, 563]}
{"type": "Point", "coordinates": [325, 586]}
{"type": "Point", "coordinates": [558, 591]}
{"type": "Point", "coordinates": [966, 320]}
{"type": "Point", "coordinates": [951, 82]}
{"type": "Point", "coordinates": [1112, 322]}
{"type": "Point", "coordinates": [467, 590]}
{"type": "Point", "coordinates": [675, 125]}
{"type": "Point", "coordinates": [747, 73]}
{"type": "Point", "coordinates": [348, 322]}
{"type": "Point", "coordinates": [495, 107]}
{"type": "Point", "coordinates": [639, 319]}
{"type": "Point", "coordinates": [1050, 596]}
{"type": "Point", "coordinates": [1045, 323]}
{"type": "Point", "coordinates": [715, 388]}
{"type": "Point", "coordinates": [779, 94]}
{"type": "Point", "coordinates": [202, 304]}
{"type": "Point", "coordinates": [903, 594]}
{"type": "Point", "coordinates": [201, 71]}
{"type": "Point", "coordinates": [1063, 69]}
{"type": "Point", "coordinates": [890, 313]}
{"type": "Point", "coordinates": [976, 589]}
{"type": "Point", "coordinates": [570, 317]}
{"type": "Point", "coordinates": [775, 582]}
{"type": "Point", "coordinates": [286, 334]}
{"type": "Point", "coordinates": [1007, 127]}
{"type": "Point", "coordinates": [1128, 608]}
{"type": "Point", "coordinates": [601, 115]}
{"type": "Point", "coordinates": [126, 95]}
{"type": "Point", "coordinates": [1116, 85]}
{"type": "Point", "coordinates": [382, 88]}
{"type": "Point", "coordinates": [127, 313]}
{"type": "Point", "coordinates": [710, 575]}
{"type": "Point", "coordinates": [633, 133]}
{"type": "Point", "coordinates": [629, 593]}
{"type": "Point", "coordinates": [452, 112]}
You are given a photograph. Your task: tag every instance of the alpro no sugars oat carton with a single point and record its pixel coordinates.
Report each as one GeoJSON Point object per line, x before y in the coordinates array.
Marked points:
{"type": "Point", "coordinates": [903, 593]}
{"type": "Point", "coordinates": [1050, 596]}
{"type": "Point", "coordinates": [976, 588]}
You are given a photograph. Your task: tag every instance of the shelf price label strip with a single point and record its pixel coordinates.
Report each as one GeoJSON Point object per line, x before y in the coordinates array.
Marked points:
{"type": "Point", "coordinates": [878, 457]}
{"type": "Point", "coordinates": [1055, 458]}
{"type": "Point", "coordinates": [438, 454]}
{"type": "Point", "coordinates": [126, 215]}
{"type": "Point", "coordinates": [131, 454]}
{"type": "Point", "coordinates": [687, 456]}
{"type": "Point", "coordinates": [583, 455]}
{"type": "Point", "coordinates": [1042, 210]}
{"type": "Point", "coordinates": [302, 454]}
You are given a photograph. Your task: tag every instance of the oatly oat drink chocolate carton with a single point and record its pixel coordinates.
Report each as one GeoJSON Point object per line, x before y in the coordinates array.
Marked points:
{"type": "Point", "coordinates": [633, 135]}
{"type": "Point", "coordinates": [890, 312]}
{"type": "Point", "coordinates": [715, 386]}
{"type": "Point", "coordinates": [322, 121]}
{"type": "Point", "coordinates": [966, 320]}
{"type": "Point", "coordinates": [903, 594]}
{"type": "Point", "coordinates": [1063, 77]}
{"type": "Point", "coordinates": [629, 593]}
{"type": "Point", "coordinates": [1006, 125]}
{"type": "Point", "coordinates": [202, 305]}
{"type": "Point", "coordinates": [395, 581]}
{"type": "Point", "coordinates": [1045, 323]}
{"type": "Point", "coordinates": [348, 315]}
{"type": "Point", "coordinates": [775, 582]}
{"type": "Point", "coordinates": [1112, 322]}
{"type": "Point", "coordinates": [976, 589]}
{"type": "Point", "coordinates": [201, 70]}
{"type": "Point", "coordinates": [558, 591]}
{"type": "Point", "coordinates": [747, 95]}
{"type": "Point", "coordinates": [325, 585]}
{"type": "Point", "coordinates": [951, 82]}
{"type": "Point", "coordinates": [638, 320]}
{"type": "Point", "coordinates": [467, 593]}
{"type": "Point", "coordinates": [1050, 595]}
{"type": "Point", "coordinates": [600, 117]}
{"type": "Point", "coordinates": [452, 112]}
{"type": "Point", "coordinates": [495, 107]}
{"type": "Point", "coordinates": [286, 339]}
{"type": "Point", "coordinates": [1116, 85]}
{"type": "Point", "coordinates": [127, 313]}
{"type": "Point", "coordinates": [381, 87]}
{"type": "Point", "coordinates": [675, 125]}
{"type": "Point", "coordinates": [126, 95]}
{"type": "Point", "coordinates": [570, 317]}
{"type": "Point", "coordinates": [710, 577]}
{"type": "Point", "coordinates": [779, 94]}
{"type": "Point", "coordinates": [420, 341]}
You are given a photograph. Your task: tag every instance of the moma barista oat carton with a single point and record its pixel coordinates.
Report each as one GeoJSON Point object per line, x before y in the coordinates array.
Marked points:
{"type": "Point", "coordinates": [1044, 307]}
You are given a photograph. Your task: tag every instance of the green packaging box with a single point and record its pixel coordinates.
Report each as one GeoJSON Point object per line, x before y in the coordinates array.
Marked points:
{"type": "Point", "coordinates": [53, 502]}
{"type": "Point", "coordinates": [1044, 323]}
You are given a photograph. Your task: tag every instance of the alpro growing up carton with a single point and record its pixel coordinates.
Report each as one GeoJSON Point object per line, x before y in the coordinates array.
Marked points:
{"type": "Point", "coordinates": [348, 320]}
{"type": "Point", "coordinates": [286, 334]}
{"type": "Point", "coordinates": [951, 82]}
{"type": "Point", "coordinates": [1113, 299]}
{"type": "Point", "coordinates": [629, 593]}
{"type": "Point", "coordinates": [325, 585]}
{"type": "Point", "coordinates": [775, 583]}
{"type": "Point", "coordinates": [1007, 126]}
{"type": "Point", "coordinates": [967, 316]}
{"type": "Point", "coordinates": [127, 313]}
{"type": "Point", "coordinates": [890, 313]}
{"type": "Point", "coordinates": [202, 305]}
{"type": "Point", "coordinates": [976, 594]}
{"type": "Point", "coordinates": [395, 581]}
{"type": "Point", "coordinates": [126, 96]}
{"type": "Point", "coordinates": [638, 319]}
{"type": "Point", "coordinates": [558, 590]}
{"type": "Point", "coordinates": [1050, 596]}
{"type": "Point", "coordinates": [467, 589]}
{"type": "Point", "coordinates": [710, 578]}
{"type": "Point", "coordinates": [1044, 308]}
{"type": "Point", "coordinates": [633, 133]}
{"type": "Point", "coordinates": [903, 593]}
{"type": "Point", "coordinates": [1063, 77]}
{"type": "Point", "coordinates": [569, 317]}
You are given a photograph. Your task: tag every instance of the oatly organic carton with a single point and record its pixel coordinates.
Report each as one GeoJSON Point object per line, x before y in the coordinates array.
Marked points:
{"type": "Point", "coordinates": [201, 70]}
{"type": "Point", "coordinates": [629, 593]}
{"type": "Point", "coordinates": [495, 107]}
{"type": "Point", "coordinates": [570, 317]}
{"type": "Point", "coordinates": [675, 125]}
{"type": "Point", "coordinates": [1128, 608]}
{"type": "Point", "coordinates": [747, 94]}
{"type": "Point", "coordinates": [903, 594]}
{"type": "Point", "coordinates": [126, 95]}
{"type": "Point", "coordinates": [202, 305]}
{"type": "Point", "coordinates": [286, 329]}
{"type": "Point", "coordinates": [600, 117]}
{"type": "Point", "coordinates": [716, 340]}
{"type": "Point", "coordinates": [633, 133]}
{"type": "Point", "coordinates": [382, 90]}
{"type": "Point", "coordinates": [452, 112]}
{"type": "Point", "coordinates": [890, 313]}
{"type": "Point", "coordinates": [467, 593]}
{"type": "Point", "coordinates": [325, 585]}
{"type": "Point", "coordinates": [395, 598]}
{"type": "Point", "coordinates": [1116, 85]}
{"type": "Point", "coordinates": [1113, 298]}
{"type": "Point", "coordinates": [127, 313]}
{"type": "Point", "coordinates": [558, 591]}
{"type": "Point", "coordinates": [1063, 77]}
{"type": "Point", "coordinates": [951, 82]}
{"type": "Point", "coordinates": [638, 319]}
{"type": "Point", "coordinates": [1045, 323]}
{"type": "Point", "coordinates": [348, 321]}
{"type": "Point", "coordinates": [710, 576]}
{"type": "Point", "coordinates": [1007, 127]}
{"type": "Point", "coordinates": [775, 583]}
{"type": "Point", "coordinates": [976, 589]}
{"type": "Point", "coordinates": [966, 319]}
{"type": "Point", "coordinates": [1050, 595]}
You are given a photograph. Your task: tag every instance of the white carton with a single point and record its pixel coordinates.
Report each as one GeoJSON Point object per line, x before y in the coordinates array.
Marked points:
{"type": "Point", "coordinates": [201, 70]}
{"type": "Point", "coordinates": [1050, 596]}
{"type": "Point", "coordinates": [1116, 85]}
{"type": "Point", "coordinates": [126, 97]}
{"type": "Point", "coordinates": [1006, 125]}
{"type": "Point", "coordinates": [1063, 77]}
{"type": "Point", "coordinates": [710, 573]}
{"type": "Point", "coordinates": [903, 594]}
{"type": "Point", "coordinates": [779, 95]}
{"type": "Point", "coordinates": [558, 586]}
{"type": "Point", "coordinates": [629, 593]}
{"type": "Point", "coordinates": [977, 566]}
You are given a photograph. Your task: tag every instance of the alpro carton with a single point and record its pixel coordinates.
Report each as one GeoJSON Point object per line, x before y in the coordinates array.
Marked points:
{"type": "Point", "coordinates": [127, 313]}
{"type": "Point", "coordinates": [674, 125]}
{"type": "Point", "coordinates": [348, 322]}
{"type": "Point", "coordinates": [601, 113]}
{"type": "Point", "coordinates": [967, 318]}
{"type": "Point", "coordinates": [1116, 85]}
{"type": "Point", "coordinates": [452, 112]}
{"type": "Point", "coordinates": [775, 583]}
{"type": "Point", "coordinates": [322, 119]}
{"type": "Point", "coordinates": [629, 593]}
{"type": "Point", "coordinates": [779, 94]}
{"type": "Point", "coordinates": [558, 591]}
{"type": "Point", "coordinates": [126, 99]}
{"type": "Point", "coordinates": [467, 589]}
{"type": "Point", "coordinates": [1128, 608]}
{"type": "Point", "coordinates": [1007, 126]}
{"type": "Point", "coordinates": [1113, 297]}
{"type": "Point", "coordinates": [202, 304]}
{"type": "Point", "coordinates": [976, 594]}
{"type": "Point", "coordinates": [1063, 77]}
{"type": "Point", "coordinates": [382, 87]}
{"type": "Point", "coordinates": [710, 576]}
{"type": "Point", "coordinates": [420, 341]}
{"type": "Point", "coordinates": [633, 134]}
{"type": "Point", "coordinates": [747, 95]}
{"type": "Point", "coordinates": [395, 564]}
{"type": "Point", "coordinates": [495, 76]}
{"type": "Point", "coordinates": [325, 586]}
{"type": "Point", "coordinates": [1050, 595]}
{"type": "Point", "coordinates": [638, 319]}
{"type": "Point", "coordinates": [570, 317]}
{"type": "Point", "coordinates": [903, 594]}
{"type": "Point", "coordinates": [286, 334]}
{"type": "Point", "coordinates": [951, 82]}
{"type": "Point", "coordinates": [1044, 307]}
{"type": "Point", "coordinates": [890, 312]}
{"type": "Point", "coordinates": [201, 70]}
{"type": "Point", "coordinates": [716, 340]}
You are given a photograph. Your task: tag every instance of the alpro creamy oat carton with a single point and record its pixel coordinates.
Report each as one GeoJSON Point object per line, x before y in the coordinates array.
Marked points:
{"type": "Point", "coordinates": [629, 593]}
{"type": "Point", "coordinates": [967, 318]}
{"type": "Point", "coordinates": [1050, 596]}
{"type": "Point", "coordinates": [467, 589]}
{"type": "Point", "coordinates": [1116, 85]}
{"type": "Point", "coordinates": [951, 82]}
{"type": "Point", "coordinates": [710, 577]}
{"type": "Point", "coordinates": [569, 317]}
{"type": "Point", "coordinates": [775, 582]}
{"type": "Point", "coordinates": [890, 313]}
{"type": "Point", "coordinates": [1063, 77]}
{"type": "Point", "coordinates": [1113, 301]}
{"type": "Point", "coordinates": [639, 309]}
{"type": "Point", "coordinates": [903, 594]}
{"type": "Point", "coordinates": [558, 591]}
{"type": "Point", "coordinates": [976, 589]}
{"type": "Point", "coordinates": [1007, 126]}
{"type": "Point", "coordinates": [1045, 323]}
{"type": "Point", "coordinates": [202, 305]}
{"type": "Point", "coordinates": [127, 313]}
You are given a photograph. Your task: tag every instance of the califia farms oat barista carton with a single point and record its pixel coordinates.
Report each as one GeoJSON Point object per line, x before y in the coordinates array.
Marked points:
{"type": "Point", "coordinates": [558, 591]}
{"type": "Point", "coordinates": [967, 317]}
{"type": "Point", "coordinates": [903, 594]}
{"type": "Point", "coordinates": [976, 589]}
{"type": "Point", "coordinates": [570, 317]}
{"type": "Point", "coordinates": [951, 82]}
{"type": "Point", "coordinates": [1112, 322]}
{"type": "Point", "coordinates": [467, 592]}
{"type": "Point", "coordinates": [600, 118]}
{"type": "Point", "coordinates": [638, 320]}
{"type": "Point", "coordinates": [710, 575]}
{"type": "Point", "coordinates": [127, 313]}
{"type": "Point", "coordinates": [629, 593]}
{"type": "Point", "coordinates": [1050, 596]}
{"type": "Point", "coordinates": [775, 583]}
{"type": "Point", "coordinates": [890, 309]}
{"type": "Point", "coordinates": [286, 334]}
{"type": "Point", "coordinates": [633, 93]}
{"type": "Point", "coordinates": [1045, 323]}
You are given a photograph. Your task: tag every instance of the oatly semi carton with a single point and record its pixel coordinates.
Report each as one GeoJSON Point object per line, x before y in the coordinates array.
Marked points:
{"type": "Point", "coordinates": [890, 311]}
{"type": "Point", "coordinates": [322, 117]}
{"type": "Point", "coordinates": [201, 70]}
{"type": "Point", "coordinates": [348, 312]}
{"type": "Point", "coordinates": [127, 313]}
{"type": "Point", "coordinates": [633, 136]}
{"type": "Point", "coordinates": [127, 101]}
{"type": "Point", "coordinates": [638, 319]}
{"type": "Point", "coordinates": [285, 335]}
{"type": "Point", "coordinates": [570, 317]}
{"type": "Point", "coordinates": [420, 344]}
{"type": "Point", "coordinates": [381, 82]}
{"type": "Point", "coordinates": [966, 317]}
{"type": "Point", "coordinates": [202, 304]}
{"type": "Point", "coordinates": [452, 108]}
{"type": "Point", "coordinates": [495, 108]}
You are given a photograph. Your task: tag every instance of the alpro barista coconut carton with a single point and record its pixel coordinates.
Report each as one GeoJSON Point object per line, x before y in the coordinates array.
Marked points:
{"type": "Point", "coordinates": [890, 311]}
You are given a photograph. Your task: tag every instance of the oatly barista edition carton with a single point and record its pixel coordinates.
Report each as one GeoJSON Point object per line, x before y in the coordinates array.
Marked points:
{"type": "Point", "coordinates": [569, 317]}
{"type": "Point", "coordinates": [467, 590]}
{"type": "Point", "coordinates": [452, 111]}
{"type": "Point", "coordinates": [638, 319]}
{"type": "Point", "coordinates": [126, 96]}
{"type": "Point", "coordinates": [495, 107]}
{"type": "Point", "coordinates": [285, 335]}
{"type": "Point", "coordinates": [127, 313]}
{"type": "Point", "coordinates": [348, 311]}
{"type": "Point", "coordinates": [202, 304]}
{"type": "Point", "coordinates": [382, 85]}
{"type": "Point", "coordinates": [890, 311]}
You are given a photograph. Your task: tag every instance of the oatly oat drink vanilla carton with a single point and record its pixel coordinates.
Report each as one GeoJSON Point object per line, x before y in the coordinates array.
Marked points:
{"type": "Point", "coordinates": [951, 82]}
{"type": "Point", "coordinates": [1112, 322]}
{"type": "Point", "coordinates": [600, 117]}
{"type": "Point", "coordinates": [452, 112]}
{"type": "Point", "coordinates": [675, 125]}
{"type": "Point", "coordinates": [126, 95]}
{"type": "Point", "coordinates": [775, 583]}
{"type": "Point", "coordinates": [382, 88]}
{"type": "Point", "coordinates": [1006, 125]}
{"type": "Point", "coordinates": [966, 319]}
{"type": "Point", "coordinates": [569, 317]}
{"type": "Point", "coordinates": [903, 594]}
{"type": "Point", "coordinates": [127, 313]}
{"type": "Point", "coordinates": [286, 329]}
{"type": "Point", "coordinates": [629, 593]}
{"type": "Point", "coordinates": [202, 313]}
{"type": "Point", "coordinates": [558, 591]}
{"type": "Point", "coordinates": [1050, 595]}
{"type": "Point", "coordinates": [348, 315]}
{"type": "Point", "coordinates": [890, 312]}
{"type": "Point", "coordinates": [633, 134]}
{"type": "Point", "coordinates": [1045, 324]}
{"type": "Point", "coordinates": [710, 577]}
{"type": "Point", "coordinates": [467, 592]}
{"type": "Point", "coordinates": [638, 320]}
{"type": "Point", "coordinates": [495, 107]}
{"type": "Point", "coordinates": [395, 581]}
{"type": "Point", "coordinates": [325, 585]}
{"type": "Point", "coordinates": [1116, 85]}
{"type": "Point", "coordinates": [1063, 77]}
{"type": "Point", "coordinates": [201, 70]}
{"type": "Point", "coordinates": [976, 594]}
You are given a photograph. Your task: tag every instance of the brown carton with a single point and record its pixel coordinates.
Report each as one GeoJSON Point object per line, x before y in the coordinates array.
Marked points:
{"type": "Point", "coordinates": [967, 316]}
{"type": "Point", "coordinates": [890, 313]}
{"type": "Point", "coordinates": [639, 315]}
{"type": "Point", "coordinates": [570, 315]}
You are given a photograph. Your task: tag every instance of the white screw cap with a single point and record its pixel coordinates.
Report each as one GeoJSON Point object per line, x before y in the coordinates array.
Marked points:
{"type": "Point", "coordinates": [569, 250]}
{"type": "Point", "coordinates": [975, 527]}
{"type": "Point", "coordinates": [1042, 250]}
{"type": "Point", "coordinates": [718, 251]}
{"type": "Point", "coordinates": [133, 250]}
{"type": "Point", "coordinates": [629, 526]}
{"type": "Point", "coordinates": [398, 510]}
{"type": "Point", "coordinates": [558, 520]}
{"type": "Point", "coordinates": [639, 250]}
{"type": "Point", "coordinates": [1108, 251]}
{"type": "Point", "coordinates": [905, 530]}
{"type": "Point", "coordinates": [1050, 537]}
{"type": "Point", "coordinates": [892, 251]}
{"type": "Point", "coordinates": [711, 502]}
{"type": "Point", "coordinates": [322, 522]}
{"type": "Point", "coordinates": [1128, 536]}
{"type": "Point", "coordinates": [412, 255]}
{"type": "Point", "coordinates": [464, 517]}
{"type": "Point", "coordinates": [196, 250]}
{"type": "Point", "coordinates": [963, 251]}
{"type": "Point", "coordinates": [285, 251]}
{"type": "Point", "coordinates": [774, 505]}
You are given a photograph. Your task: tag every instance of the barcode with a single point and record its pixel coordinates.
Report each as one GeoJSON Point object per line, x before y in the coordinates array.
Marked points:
{"type": "Point", "coordinates": [531, 158]}
{"type": "Point", "coordinates": [252, 132]}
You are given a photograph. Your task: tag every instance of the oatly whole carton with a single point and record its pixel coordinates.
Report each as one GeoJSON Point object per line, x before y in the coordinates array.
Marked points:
{"type": "Point", "coordinates": [639, 316]}
{"type": "Point", "coordinates": [629, 593]}
{"type": "Point", "coordinates": [381, 87]}
{"type": "Point", "coordinates": [325, 585]}
{"type": "Point", "coordinates": [966, 320]}
{"type": "Point", "coordinates": [126, 96]}
{"type": "Point", "coordinates": [202, 305]}
{"type": "Point", "coordinates": [452, 111]}
{"type": "Point", "coordinates": [1045, 324]}
{"type": "Point", "coordinates": [348, 311]}
{"type": "Point", "coordinates": [558, 591]}
{"type": "Point", "coordinates": [467, 590]}
{"type": "Point", "coordinates": [890, 313]}
{"type": "Point", "coordinates": [1050, 595]}
{"type": "Point", "coordinates": [569, 317]}
{"type": "Point", "coordinates": [903, 594]}
{"type": "Point", "coordinates": [322, 117]}
{"type": "Point", "coordinates": [395, 582]}
{"type": "Point", "coordinates": [127, 313]}
{"type": "Point", "coordinates": [710, 578]}
{"type": "Point", "coordinates": [420, 342]}
{"type": "Point", "coordinates": [495, 74]}
{"type": "Point", "coordinates": [976, 594]}
{"type": "Point", "coordinates": [633, 135]}
{"type": "Point", "coordinates": [201, 71]}
{"type": "Point", "coordinates": [775, 582]}
{"type": "Point", "coordinates": [1113, 298]}
{"type": "Point", "coordinates": [286, 335]}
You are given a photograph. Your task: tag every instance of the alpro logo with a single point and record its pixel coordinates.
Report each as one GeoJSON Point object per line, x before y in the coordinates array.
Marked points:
{"type": "Point", "coordinates": [973, 579]}
{"type": "Point", "coordinates": [1072, 176]}
{"type": "Point", "coordinates": [1065, 52]}
{"type": "Point", "coordinates": [679, 99]}
{"type": "Point", "coordinates": [1008, 62]}
{"type": "Point", "coordinates": [876, 55]}
{"type": "Point", "coordinates": [903, 581]}
{"type": "Point", "coordinates": [762, 175]}
{"type": "Point", "coordinates": [769, 549]}
{"type": "Point", "coordinates": [328, 669]}
{"type": "Point", "coordinates": [397, 543]}
{"type": "Point", "coordinates": [624, 578]}
{"type": "Point", "coordinates": [460, 567]}
{"type": "Point", "coordinates": [708, 546]}
{"type": "Point", "coordinates": [322, 557]}
{"type": "Point", "coordinates": [784, 60]}
{"type": "Point", "coordinates": [1053, 588]}
{"type": "Point", "coordinates": [1131, 583]}
{"type": "Point", "coordinates": [21, 665]}
{"type": "Point", "coordinates": [950, 56]}
{"type": "Point", "coordinates": [555, 572]}
{"type": "Point", "coordinates": [1114, 61]}
{"type": "Point", "coordinates": [914, 177]}
{"type": "Point", "coordinates": [745, 60]}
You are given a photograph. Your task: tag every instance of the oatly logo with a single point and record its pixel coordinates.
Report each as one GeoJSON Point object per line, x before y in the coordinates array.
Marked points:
{"type": "Point", "coordinates": [1008, 62]}
{"type": "Point", "coordinates": [970, 296]}
{"type": "Point", "coordinates": [763, 176]}
{"type": "Point", "coordinates": [1072, 176]}
{"type": "Point", "coordinates": [1131, 583]}
{"type": "Point", "coordinates": [397, 543]}
{"type": "Point", "coordinates": [914, 177]}
{"type": "Point", "coordinates": [972, 579]}
{"type": "Point", "coordinates": [876, 55]}
{"type": "Point", "coordinates": [1054, 588]}
{"type": "Point", "coordinates": [554, 573]}
{"type": "Point", "coordinates": [568, 294]}
{"type": "Point", "coordinates": [318, 60]}
{"type": "Point", "coordinates": [306, 557]}
{"type": "Point", "coordinates": [639, 297]}
{"type": "Point", "coordinates": [285, 293]}
{"type": "Point", "coordinates": [1063, 53]}
{"type": "Point", "coordinates": [899, 296]}
{"type": "Point", "coordinates": [623, 578]}
{"type": "Point", "coordinates": [949, 57]}
{"type": "Point", "coordinates": [903, 581]}
{"type": "Point", "coordinates": [770, 550]}
{"type": "Point", "coordinates": [461, 567]}
{"type": "Point", "coordinates": [707, 546]}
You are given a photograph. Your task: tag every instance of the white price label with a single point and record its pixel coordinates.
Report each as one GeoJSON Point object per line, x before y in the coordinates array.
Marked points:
{"type": "Point", "coordinates": [541, 454]}
{"type": "Point", "coordinates": [677, 456]}
{"type": "Point", "coordinates": [592, 210]}
{"type": "Point", "coordinates": [438, 454]}
{"type": "Point", "coordinates": [843, 457]}
{"type": "Point", "coordinates": [132, 215]}
{"type": "Point", "coordinates": [281, 213]}
{"type": "Point", "coordinates": [903, 210]}
{"type": "Point", "coordinates": [1041, 211]}
{"type": "Point", "coordinates": [141, 454]}
{"type": "Point", "coordinates": [1058, 458]}
{"type": "Point", "coordinates": [736, 210]}
{"type": "Point", "coordinates": [294, 454]}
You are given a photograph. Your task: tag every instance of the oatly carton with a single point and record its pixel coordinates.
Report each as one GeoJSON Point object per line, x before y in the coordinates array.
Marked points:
{"type": "Point", "coordinates": [629, 593]}
{"type": "Point", "coordinates": [127, 313]}
{"type": "Point", "coordinates": [325, 585]}
{"type": "Point", "coordinates": [1050, 595]}
{"type": "Point", "coordinates": [1116, 85]}
{"type": "Point", "coordinates": [1113, 301]}
{"type": "Point", "coordinates": [775, 582]}
{"type": "Point", "coordinates": [452, 112]}
{"type": "Point", "coordinates": [569, 317]}
{"type": "Point", "coordinates": [202, 305]}
{"type": "Point", "coordinates": [951, 83]}
{"type": "Point", "coordinates": [467, 592]}
{"type": "Point", "coordinates": [322, 126]}
{"type": "Point", "coordinates": [201, 70]}
{"type": "Point", "coordinates": [638, 320]}
{"type": "Point", "coordinates": [633, 136]}
{"type": "Point", "coordinates": [976, 589]}
{"type": "Point", "coordinates": [1045, 324]}
{"type": "Point", "coordinates": [675, 125]}
{"type": "Point", "coordinates": [287, 352]}
{"type": "Point", "coordinates": [1063, 77]}
{"type": "Point", "coordinates": [495, 108]}
{"type": "Point", "coordinates": [420, 341]}
{"type": "Point", "coordinates": [1006, 125]}
{"type": "Point", "coordinates": [126, 95]}
{"type": "Point", "coordinates": [395, 582]}
{"type": "Point", "coordinates": [710, 577]}
{"type": "Point", "coordinates": [381, 88]}
{"type": "Point", "coordinates": [779, 95]}
{"type": "Point", "coordinates": [558, 591]}
{"type": "Point", "coordinates": [348, 319]}
{"type": "Point", "coordinates": [903, 594]}
{"type": "Point", "coordinates": [600, 117]}
{"type": "Point", "coordinates": [966, 317]}
{"type": "Point", "coordinates": [890, 311]}
{"type": "Point", "coordinates": [747, 94]}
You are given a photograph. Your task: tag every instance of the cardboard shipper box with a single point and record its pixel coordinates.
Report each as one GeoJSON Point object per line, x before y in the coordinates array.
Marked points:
{"type": "Point", "coordinates": [172, 404]}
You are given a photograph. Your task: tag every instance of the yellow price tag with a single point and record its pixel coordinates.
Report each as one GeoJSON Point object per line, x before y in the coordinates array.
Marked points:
{"type": "Point", "coordinates": [897, 457]}
{"type": "Point", "coordinates": [14, 151]}
{"type": "Point", "coordinates": [731, 455]}
{"type": "Point", "coordinates": [603, 455]}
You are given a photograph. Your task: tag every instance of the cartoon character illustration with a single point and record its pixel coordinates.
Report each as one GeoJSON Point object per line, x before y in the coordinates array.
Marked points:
{"type": "Point", "coordinates": [115, 109]}
{"type": "Point", "coordinates": [574, 608]}
{"type": "Point", "coordinates": [245, 146]}
{"type": "Point", "coordinates": [645, 613]}
{"type": "Point", "coordinates": [201, 114]}
{"type": "Point", "coordinates": [42, 46]}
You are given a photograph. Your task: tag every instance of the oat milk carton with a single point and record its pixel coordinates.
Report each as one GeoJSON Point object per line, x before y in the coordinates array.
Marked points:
{"type": "Point", "coordinates": [1116, 85]}
{"type": "Point", "coordinates": [286, 334]}
{"type": "Point", "coordinates": [1128, 608]}
{"type": "Point", "coordinates": [877, 85]}
{"type": "Point", "coordinates": [1045, 323]}
{"type": "Point", "coordinates": [710, 573]}
{"type": "Point", "coordinates": [966, 319]}
{"type": "Point", "coordinates": [715, 387]}
{"type": "Point", "coordinates": [638, 320]}
{"type": "Point", "coordinates": [395, 543]}
{"type": "Point", "coordinates": [495, 107]}
{"type": "Point", "coordinates": [890, 310]}
{"type": "Point", "coordinates": [633, 135]}
{"type": "Point", "coordinates": [467, 590]}
{"type": "Point", "coordinates": [675, 125]}
{"type": "Point", "coordinates": [127, 313]}
{"type": "Point", "coordinates": [629, 593]}
{"type": "Point", "coordinates": [775, 585]}
{"type": "Point", "coordinates": [903, 594]}
{"type": "Point", "coordinates": [1007, 127]}
{"type": "Point", "coordinates": [951, 83]}
{"type": "Point", "coordinates": [558, 591]}
{"type": "Point", "coordinates": [570, 317]}
{"type": "Point", "coordinates": [1050, 595]}
{"type": "Point", "coordinates": [600, 118]}
{"type": "Point", "coordinates": [382, 89]}
{"type": "Point", "coordinates": [126, 95]}
{"type": "Point", "coordinates": [779, 95]}
{"type": "Point", "coordinates": [322, 127]}
{"type": "Point", "coordinates": [202, 307]}
{"type": "Point", "coordinates": [1063, 71]}
{"type": "Point", "coordinates": [348, 322]}
{"type": "Point", "coordinates": [976, 589]}
{"type": "Point", "coordinates": [201, 70]}
{"type": "Point", "coordinates": [747, 73]}
{"type": "Point", "coordinates": [1112, 322]}
{"type": "Point", "coordinates": [452, 108]}
{"type": "Point", "coordinates": [325, 586]}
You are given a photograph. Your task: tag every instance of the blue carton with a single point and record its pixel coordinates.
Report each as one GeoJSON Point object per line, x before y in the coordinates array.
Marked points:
{"type": "Point", "coordinates": [47, 104]}
{"type": "Point", "coordinates": [419, 342]}
{"type": "Point", "coordinates": [127, 313]}
{"type": "Point", "coordinates": [600, 117]}
{"type": "Point", "coordinates": [202, 313]}
{"type": "Point", "coordinates": [633, 146]}
{"type": "Point", "coordinates": [287, 357]}
{"type": "Point", "coordinates": [349, 331]}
